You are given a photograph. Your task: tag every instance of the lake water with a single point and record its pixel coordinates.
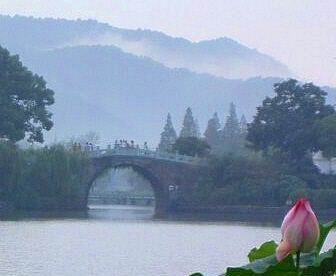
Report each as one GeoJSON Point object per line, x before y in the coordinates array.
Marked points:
{"type": "Point", "coordinates": [124, 241]}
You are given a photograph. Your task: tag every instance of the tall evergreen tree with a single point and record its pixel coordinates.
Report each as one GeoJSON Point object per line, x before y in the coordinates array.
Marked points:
{"type": "Point", "coordinates": [231, 129]}
{"type": "Point", "coordinates": [212, 132]}
{"type": "Point", "coordinates": [189, 128]}
{"type": "Point", "coordinates": [243, 126]}
{"type": "Point", "coordinates": [230, 136]}
{"type": "Point", "coordinates": [197, 128]}
{"type": "Point", "coordinates": [168, 136]}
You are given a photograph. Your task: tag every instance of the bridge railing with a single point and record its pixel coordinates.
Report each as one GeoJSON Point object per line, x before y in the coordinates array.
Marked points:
{"type": "Point", "coordinates": [145, 153]}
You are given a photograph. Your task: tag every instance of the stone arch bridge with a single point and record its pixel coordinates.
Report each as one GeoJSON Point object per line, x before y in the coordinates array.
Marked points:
{"type": "Point", "coordinates": [170, 175]}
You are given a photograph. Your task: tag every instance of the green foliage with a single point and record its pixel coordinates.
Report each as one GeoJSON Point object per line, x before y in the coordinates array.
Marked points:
{"type": "Point", "coordinates": [235, 180]}
{"type": "Point", "coordinates": [191, 146]}
{"type": "Point", "coordinates": [324, 232]}
{"type": "Point", "coordinates": [268, 266]}
{"type": "Point", "coordinates": [322, 265]}
{"type": "Point", "coordinates": [45, 177]}
{"type": "Point", "coordinates": [24, 99]}
{"type": "Point", "coordinates": [11, 162]}
{"type": "Point", "coordinates": [326, 138]}
{"type": "Point", "coordinates": [263, 261]}
{"type": "Point", "coordinates": [265, 250]}
{"type": "Point", "coordinates": [259, 181]}
{"type": "Point", "coordinates": [286, 121]}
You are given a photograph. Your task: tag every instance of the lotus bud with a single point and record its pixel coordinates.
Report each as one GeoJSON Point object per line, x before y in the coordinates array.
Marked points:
{"type": "Point", "coordinates": [300, 230]}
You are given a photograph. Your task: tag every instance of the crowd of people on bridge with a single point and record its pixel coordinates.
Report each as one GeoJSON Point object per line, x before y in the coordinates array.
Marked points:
{"type": "Point", "coordinates": [118, 144]}
{"type": "Point", "coordinates": [77, 147]}
{"type": "Point", "coordinates": [128, 145]}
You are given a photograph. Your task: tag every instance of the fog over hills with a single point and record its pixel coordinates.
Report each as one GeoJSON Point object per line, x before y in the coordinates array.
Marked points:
{"type": "Point", "coordinates": [118, 93]}
{"type": "Point", "coordinates": [221, 57]}
{"type": "Point", "coordinates": [124, 87]}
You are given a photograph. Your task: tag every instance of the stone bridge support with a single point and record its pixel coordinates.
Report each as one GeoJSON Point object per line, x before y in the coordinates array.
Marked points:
{"type": "Point", "coordinates": [169, 179]}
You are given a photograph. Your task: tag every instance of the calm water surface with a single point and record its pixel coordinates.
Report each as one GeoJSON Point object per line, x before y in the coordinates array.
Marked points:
{"type": "Point", "coordinates": [125, 241]}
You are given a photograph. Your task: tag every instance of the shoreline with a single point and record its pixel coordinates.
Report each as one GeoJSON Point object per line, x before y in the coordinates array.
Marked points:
{"type": "Point", "coordinates": [254, 214]}
{"type": "Point", "coordinates": [249, 213]}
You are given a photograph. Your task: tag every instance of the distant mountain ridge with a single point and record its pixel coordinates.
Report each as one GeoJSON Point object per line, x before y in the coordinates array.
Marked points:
{"type": "Point", "coordinates": [116, 93]}
{"type": "Point", "coordinates": [113, 92]}
{"type": "Point", "coordinates": [221, 57]}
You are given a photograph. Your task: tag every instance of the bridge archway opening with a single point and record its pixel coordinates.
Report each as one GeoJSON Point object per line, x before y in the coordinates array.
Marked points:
{"type": "Point", "coordinates": [127, 184]}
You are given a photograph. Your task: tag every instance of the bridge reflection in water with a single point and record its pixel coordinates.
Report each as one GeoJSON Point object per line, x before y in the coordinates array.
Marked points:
{"type": "Point", "coordinates": [125, 200]}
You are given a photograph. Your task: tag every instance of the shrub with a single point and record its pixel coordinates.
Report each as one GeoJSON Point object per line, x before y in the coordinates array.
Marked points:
{"type": "Point", "coordinates": [49, 177]}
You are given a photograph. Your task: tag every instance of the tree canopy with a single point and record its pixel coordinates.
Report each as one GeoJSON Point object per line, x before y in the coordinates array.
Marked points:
{"type": "Point", "coordinates": [191, 146]}
{"type": "Point", "coordinates": [286, 121]}
{"type": "Point", "coordinates": [24, 99]}
{"type": "Point", "coordinates": [326, 130]}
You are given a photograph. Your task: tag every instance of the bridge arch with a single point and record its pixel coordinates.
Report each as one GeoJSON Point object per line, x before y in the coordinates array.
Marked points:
{"type": "Point", "coordinates": [159, 188]}
{"type": "Point", "coordinates": [173, 177]}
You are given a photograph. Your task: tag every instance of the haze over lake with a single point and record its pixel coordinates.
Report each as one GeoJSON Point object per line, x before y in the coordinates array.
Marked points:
{"type": "Point", "coordinates": [125, 241]}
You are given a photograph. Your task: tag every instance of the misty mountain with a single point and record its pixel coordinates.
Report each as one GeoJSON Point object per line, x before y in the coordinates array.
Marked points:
{"type": "Point", "coordinates": [221, 57]}
{"type": "Point", "coordinates": [119, 94]}
{"type": "Point", "coordinates": [116, 93]}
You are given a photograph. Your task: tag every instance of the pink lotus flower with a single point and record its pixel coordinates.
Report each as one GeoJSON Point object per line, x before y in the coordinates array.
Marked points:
{"type": "Point", "coordinates": [300, 230]}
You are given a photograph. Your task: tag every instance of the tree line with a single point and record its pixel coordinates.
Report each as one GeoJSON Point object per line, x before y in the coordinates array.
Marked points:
{"type": "Point", "coordinates": [265, 162]}
{"type": "Point", "coordinates": [286, 131]}
{"type": "Point", "coordinates": [216, 140]}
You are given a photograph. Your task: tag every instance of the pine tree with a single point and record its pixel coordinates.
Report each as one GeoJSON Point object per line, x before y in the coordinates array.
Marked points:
{"type": "Point", "coordinates": [230, 138]}
{"type": "Point", "coordinates": [168, 136]}
{"type": "Point", "coordinates": [231, 129]}
{"type": "Point", "coordinates": [189, 128]}
{"type": "Point", "coordinates": [243, 126]}
{"type": "Point", "coordinates": [197, 128]}
{"type": "Point", "coordinates": [212, 133]}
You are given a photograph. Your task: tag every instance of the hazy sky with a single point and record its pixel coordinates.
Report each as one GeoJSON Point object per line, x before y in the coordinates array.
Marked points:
{"type": "Point", "coordinates": [300, 33]}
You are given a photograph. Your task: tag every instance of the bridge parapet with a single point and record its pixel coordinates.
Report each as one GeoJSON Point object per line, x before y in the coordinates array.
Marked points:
{"type": "Point", "coordinates": [146, 153]}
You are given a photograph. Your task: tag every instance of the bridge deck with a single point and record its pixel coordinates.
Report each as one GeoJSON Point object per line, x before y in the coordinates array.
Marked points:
{"type": "Point", "coordinates": [146, 153]}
